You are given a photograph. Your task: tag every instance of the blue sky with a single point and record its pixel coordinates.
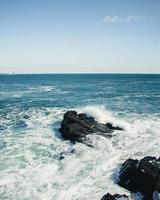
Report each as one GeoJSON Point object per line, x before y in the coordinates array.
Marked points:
{"type": "Point", "coordinates": [48, 36]}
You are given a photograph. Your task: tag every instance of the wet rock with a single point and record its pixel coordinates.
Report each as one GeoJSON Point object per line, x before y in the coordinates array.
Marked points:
{"type": "Point", "coordinates": [110, 126]}
{"type": "Point", "coordinates": [141, 176]}
{"type": "Point", "coordinates": [76, 127]}
{"type": "Point", "coordinates": [108, 196]}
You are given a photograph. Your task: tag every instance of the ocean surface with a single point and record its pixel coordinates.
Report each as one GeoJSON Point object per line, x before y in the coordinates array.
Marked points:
{"type": "Point", "coordinates": [31, 109]}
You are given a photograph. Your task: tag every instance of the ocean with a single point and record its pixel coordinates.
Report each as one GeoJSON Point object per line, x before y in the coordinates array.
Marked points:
{"type": "Point", "coordinates": [31, 110]}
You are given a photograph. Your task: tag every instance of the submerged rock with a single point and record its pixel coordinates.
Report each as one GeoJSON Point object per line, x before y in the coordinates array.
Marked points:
{"type": "Point", "coordinates": [108, 196]}
{"type": "Point", "coordinates": [141, 176]}
{"type": "Point", "coordinates": [64, 153]}
{"type": "Point", "coordinates": [76, 127]}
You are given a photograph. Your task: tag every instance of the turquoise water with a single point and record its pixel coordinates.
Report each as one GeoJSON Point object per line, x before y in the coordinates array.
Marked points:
{"type": "Point", "coordinates": [31, 108]}
{"type": "Point", "coordinates": [126, 93]}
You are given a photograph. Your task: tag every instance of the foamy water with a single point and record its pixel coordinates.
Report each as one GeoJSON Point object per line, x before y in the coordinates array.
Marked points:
{"type": "Point", "coordinates": [31, 145]}
{"type": "Point", "coordinates": [31, 169]}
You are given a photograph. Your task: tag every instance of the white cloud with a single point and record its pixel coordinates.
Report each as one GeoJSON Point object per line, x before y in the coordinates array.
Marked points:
{"type": "Point", "coordinates": [117, 19]}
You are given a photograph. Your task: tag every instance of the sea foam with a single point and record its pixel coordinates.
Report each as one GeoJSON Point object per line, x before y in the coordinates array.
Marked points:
{"type": "Point", "coordinates": [31, 168]}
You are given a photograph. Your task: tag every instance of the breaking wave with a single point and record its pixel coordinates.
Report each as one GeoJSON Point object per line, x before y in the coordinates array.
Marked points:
{"type": "Point", "coordinates": [31, 147]}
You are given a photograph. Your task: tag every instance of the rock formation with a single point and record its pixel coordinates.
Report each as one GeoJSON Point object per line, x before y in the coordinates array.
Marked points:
{"type": "Point", "coordinates": [76, 127]}
{"type": "Point", "coordinates": [108, 196]}
{"type": "Point", "coordinates": [141, 176]}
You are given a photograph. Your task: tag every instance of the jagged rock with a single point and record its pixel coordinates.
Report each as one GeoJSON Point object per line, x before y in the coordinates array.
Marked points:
{"type": "Point", "coordinates": [108, 196]}
{"type": "Point", "coordinates": [76, 127]}
{"type": "Point", "coordinates": [141, 176]}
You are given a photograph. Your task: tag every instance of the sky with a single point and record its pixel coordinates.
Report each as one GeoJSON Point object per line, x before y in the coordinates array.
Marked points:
{"type": "Point", "coordinates": [80, 36]}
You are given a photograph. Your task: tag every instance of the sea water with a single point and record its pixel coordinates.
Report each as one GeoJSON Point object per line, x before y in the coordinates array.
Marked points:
{"type": "Point", "coordinates": [31, 110]}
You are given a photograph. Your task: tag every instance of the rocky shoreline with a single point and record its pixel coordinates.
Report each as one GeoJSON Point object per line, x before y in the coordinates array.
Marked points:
{"type": "Point", "coordinates": [135, 175]}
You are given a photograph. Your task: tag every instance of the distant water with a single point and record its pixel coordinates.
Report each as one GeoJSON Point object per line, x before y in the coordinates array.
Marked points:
{"type": "Point", "coordinates": [31, 108]}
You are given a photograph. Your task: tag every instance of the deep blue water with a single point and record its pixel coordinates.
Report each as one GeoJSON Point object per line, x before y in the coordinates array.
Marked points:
{"type": "Point", "coordinates": [31, 110]}
{"type": "Point", "coordinates": [121, 92]}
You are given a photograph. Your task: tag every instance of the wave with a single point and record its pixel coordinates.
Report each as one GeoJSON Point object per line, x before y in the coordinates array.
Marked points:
{"type": "Point", "coordinates": [31, 168]}
{"type": "Point", "coordinates": [139, 123]}
{"type": "Point", "coordinates": [103, 116]}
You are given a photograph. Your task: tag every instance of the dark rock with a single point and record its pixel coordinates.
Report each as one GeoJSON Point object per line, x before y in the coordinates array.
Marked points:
{"type": "Point", "coordinates": [73, 150]}
{"type": "Point", "coordinates": [65, 153]}
{"type": "Point", "coordinates": [26, 117]}
{"type": "Point", "coordinates": [108, 196]}
{"type": "Point", "coordinates": [61, 157]}
{"type": "Point", "coordinates": [141, 176]}
{"type": "Point", "coordinates": [110, 126]}
{"type": "Point", "coordinates": [76, 127]}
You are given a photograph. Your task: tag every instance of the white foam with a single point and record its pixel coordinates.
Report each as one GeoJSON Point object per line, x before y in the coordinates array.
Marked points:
{"type": "Point", "coordinates": [45, 88]}
{"type": "Point", "coordinates": [30, 168]}
{"type": "Point", "coordinates": [104, 116]}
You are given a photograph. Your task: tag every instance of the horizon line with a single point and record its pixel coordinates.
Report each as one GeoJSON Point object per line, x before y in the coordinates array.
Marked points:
{"type": "Point", "coordinates": [76, 73]}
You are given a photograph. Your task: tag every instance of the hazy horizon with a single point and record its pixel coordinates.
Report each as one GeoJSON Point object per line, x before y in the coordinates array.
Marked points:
{"type": "Point", "coordinates": [79, 73]}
